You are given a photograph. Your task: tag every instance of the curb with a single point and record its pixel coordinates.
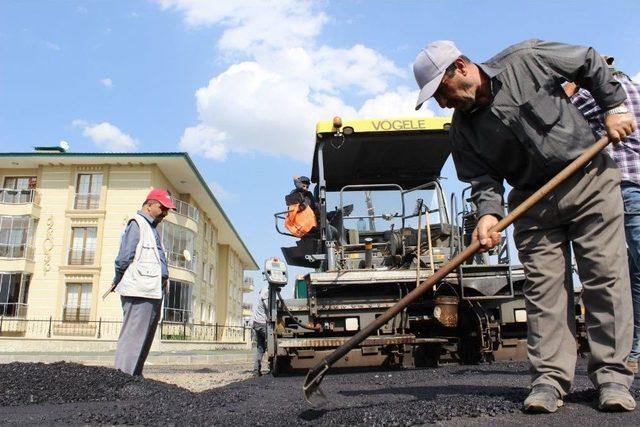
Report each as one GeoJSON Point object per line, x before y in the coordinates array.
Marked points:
{"type": "Point", "coordinates": [153, 359]}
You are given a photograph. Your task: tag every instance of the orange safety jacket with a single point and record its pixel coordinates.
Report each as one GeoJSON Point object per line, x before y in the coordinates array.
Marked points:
{"type": "Point", "coordinates": [300, 223]}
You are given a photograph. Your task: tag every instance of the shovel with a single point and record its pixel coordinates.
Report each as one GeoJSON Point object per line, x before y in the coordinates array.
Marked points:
{"type": "Point", "coordinates": [312, 392]}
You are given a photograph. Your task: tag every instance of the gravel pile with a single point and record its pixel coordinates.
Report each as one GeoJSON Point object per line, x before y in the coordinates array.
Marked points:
{"type": "Point", "coordinates": [69, 393]}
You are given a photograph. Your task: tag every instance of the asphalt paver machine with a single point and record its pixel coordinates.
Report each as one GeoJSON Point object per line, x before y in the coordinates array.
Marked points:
{"type": "Point", "coordinates": [385, 225]}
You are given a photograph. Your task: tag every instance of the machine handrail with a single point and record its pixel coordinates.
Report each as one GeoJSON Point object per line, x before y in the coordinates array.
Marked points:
{"type": "Point", "coordinates": [280, 215]}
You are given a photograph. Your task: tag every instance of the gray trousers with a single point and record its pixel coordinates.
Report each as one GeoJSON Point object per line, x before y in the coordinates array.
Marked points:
{"type": "Point", "coordinates": [140, 320]}
{"type": "Point", "coordinates": [585, 211]}
{"type": "Point", "coordinates": [260, 337]}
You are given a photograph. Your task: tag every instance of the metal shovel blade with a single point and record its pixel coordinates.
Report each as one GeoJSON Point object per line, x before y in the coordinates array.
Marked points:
{"type": "Point", "coordinates": [311, 388]}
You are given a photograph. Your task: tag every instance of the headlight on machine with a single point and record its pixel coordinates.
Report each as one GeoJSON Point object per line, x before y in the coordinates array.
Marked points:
{"type": "Point", "coordinates": [520, 315]}
{"type": "Point", "coordinates": [351, 324]}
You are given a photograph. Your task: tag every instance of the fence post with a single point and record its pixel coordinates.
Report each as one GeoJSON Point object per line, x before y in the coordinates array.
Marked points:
{"type": "Point", "coordinates": [99, 327]}
{"type": "Point", "coordinates": [184, 330]}
{"type": "Point", "coordinates": [161, 326]}
{"type": "Point", "coordinates": [49, 331]}
{"type": "Point", "coordinates": [216, 338]}
{"type": "Point", "coordinates": [244, 333]}
{"type": "Point", "coordinates": [1, 317]}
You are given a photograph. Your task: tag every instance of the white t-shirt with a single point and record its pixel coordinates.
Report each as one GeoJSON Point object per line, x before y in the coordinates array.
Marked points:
{"type": "Point", "coordinates": [260, 307]}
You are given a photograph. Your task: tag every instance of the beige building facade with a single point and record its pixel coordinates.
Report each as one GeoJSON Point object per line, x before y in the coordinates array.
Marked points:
{"type": "Point", "coordinates": [61, 219]}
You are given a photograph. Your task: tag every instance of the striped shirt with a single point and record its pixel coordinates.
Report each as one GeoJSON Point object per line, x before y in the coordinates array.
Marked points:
{"type": "Point", "coordinates": [627, 152]}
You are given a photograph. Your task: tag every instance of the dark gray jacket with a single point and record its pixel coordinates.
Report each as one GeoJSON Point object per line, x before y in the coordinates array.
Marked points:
{"type": "Point", "coordinates": [529, 100]}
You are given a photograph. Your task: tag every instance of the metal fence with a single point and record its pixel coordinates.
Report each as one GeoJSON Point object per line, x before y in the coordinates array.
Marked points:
{"type": "Point", "coordinates": [17, 197]}
{"type": "Point", "coordinates": [110, 329]}
{"type": "Point", "coordinates": [178, 260]}
{"type": "Point", "coordinates": [207, 333]}
{"type": "Point", "coordinates": [186, 209]}
{"type": "Point", "coordinates": [86, 201]}
{"type": "Point", "coordinates": [13, 309]}
{"type": "Point", "coordinates": [16, 251]}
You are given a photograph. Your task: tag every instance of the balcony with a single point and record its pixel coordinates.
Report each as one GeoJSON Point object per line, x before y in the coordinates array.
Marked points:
{"type": "Point", "coordinates": [13, 309]}
{"type": "Point", "coordinates": [11, 196]}
{"type": "Point", "coordinates": [247, 284]}
{"type": "Point", "coordinates": [247, 309]}
{"type": "Point", "coordinates": [76, 314]}
{"type": "Point", "coordinates": [20, 251]}
{"type": "Point", "coordinates": [86, 201]}
{"type": "Point", "coordinates": [176, 315]}
{"type": "Point", "coordinates": [184, 208]}
{"type": "Point", "coordinates": [81, 257]}
{"type": "Point", "coordinates": [178, 260]}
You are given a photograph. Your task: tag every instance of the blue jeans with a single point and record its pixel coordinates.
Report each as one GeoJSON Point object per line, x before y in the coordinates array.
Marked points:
{"type": "Point", "coordinates": [631, 199]}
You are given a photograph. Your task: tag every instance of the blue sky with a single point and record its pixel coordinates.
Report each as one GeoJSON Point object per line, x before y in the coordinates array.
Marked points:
{"type": "Point", "coordinates": [240, 84]}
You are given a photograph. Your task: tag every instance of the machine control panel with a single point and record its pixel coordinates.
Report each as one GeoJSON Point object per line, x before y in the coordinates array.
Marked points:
{"type": "Point", "coordinates": [275, 271]}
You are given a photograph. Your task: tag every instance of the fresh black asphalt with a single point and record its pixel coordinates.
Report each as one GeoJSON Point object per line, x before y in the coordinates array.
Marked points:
{"type": "Point", "coordinates": [62, 393]}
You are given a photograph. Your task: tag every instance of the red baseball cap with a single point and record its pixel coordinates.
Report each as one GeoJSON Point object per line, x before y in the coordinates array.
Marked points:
{"type": "Point", "coordinates": [162, 196]}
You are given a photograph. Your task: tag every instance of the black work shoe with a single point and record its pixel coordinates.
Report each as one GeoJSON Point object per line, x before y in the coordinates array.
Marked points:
{"type": "Point", "coordinates": [615, 397]}
{"type": "Point", "coordinates": [543, 399]}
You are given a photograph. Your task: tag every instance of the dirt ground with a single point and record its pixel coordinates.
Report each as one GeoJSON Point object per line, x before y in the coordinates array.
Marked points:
{"type": "Point", "coordinates": [199, 378]}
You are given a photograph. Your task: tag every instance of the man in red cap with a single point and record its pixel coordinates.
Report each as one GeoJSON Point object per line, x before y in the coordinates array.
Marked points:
{"type": "Point", "coordinates": [141, 272]}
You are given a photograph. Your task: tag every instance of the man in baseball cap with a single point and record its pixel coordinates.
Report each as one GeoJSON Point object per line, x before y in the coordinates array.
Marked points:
{"type": "Point", "coordinates": [141, 276]}
{"type": "Point", "coordinates": [513, 122]}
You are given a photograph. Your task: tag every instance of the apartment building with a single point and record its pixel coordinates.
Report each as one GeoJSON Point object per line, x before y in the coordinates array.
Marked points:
{"type": "Point", "coordinates": [61, 218]}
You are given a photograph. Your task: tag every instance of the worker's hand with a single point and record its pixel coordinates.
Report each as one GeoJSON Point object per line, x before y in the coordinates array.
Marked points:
{"type": "Point", "coordinates": [481, 232]}
{"type": "Point", "coordinates": [619, 126]}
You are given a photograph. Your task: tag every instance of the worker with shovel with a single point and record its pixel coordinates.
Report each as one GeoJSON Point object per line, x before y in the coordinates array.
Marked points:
{"type": "Point", "coordinates": [513, 122]}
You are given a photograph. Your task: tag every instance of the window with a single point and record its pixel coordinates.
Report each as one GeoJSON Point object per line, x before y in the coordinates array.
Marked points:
{"type": "Point", "coordinates": [16, 236]}
{"type": "Point", "coordinates": [211, 314]}
{"type": "Point", "coordinates": [210, 276]}
{"type": "Point", "coordinates": [83, 245]}
{"type": "Point", "coordinates": [18, 190]}
{"type": "Point", "coordinates": [14, 291]}
{"type": "Point", "coordinates": [203, 314]}
{"type": "Point", "coordinates": [176, 240]}
{"type": "Point", "coordinates": [205, 274]}
{"type": "Point", "coordinates": [177, 307]}
{"type": "Point", "coordinates": [88, 191]}
{"type": "Point", "coordinates": [77, 306]}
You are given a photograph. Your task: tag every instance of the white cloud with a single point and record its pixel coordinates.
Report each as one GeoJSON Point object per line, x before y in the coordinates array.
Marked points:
{"type": "Point", "coordinates": [400, 102]}
{"type": "Point", "coordinates": [253, 24]}
{"type": "Point", "coordinates": [248, 108]}
{"type": "Point", "coordinates": [205, 140]}
{"type": "Point", "coordinates": [52, 46]}
{"type": "Point", "coordinates": [106, 136]}
{"type": "Point", "coordinates": [270, 100]}
{"type": "Point", "coordinates": [107, 82]}
{"type": "Point", "coordinates": [220, 192]}
{"type": "Point", "coordinates": [636, 78]}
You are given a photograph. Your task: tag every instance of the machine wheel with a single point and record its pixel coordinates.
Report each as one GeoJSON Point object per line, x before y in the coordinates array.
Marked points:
{"type": "Point", "coordinates": [427, 355]}
{"type": "Point", "coordinates": [469, 350]}
{"type": "Point", "coordinates": [279, 365]}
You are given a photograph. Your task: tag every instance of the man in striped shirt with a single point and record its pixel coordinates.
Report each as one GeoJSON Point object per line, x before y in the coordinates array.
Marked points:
{"type": "Point", "coordinates": [626, 154]}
